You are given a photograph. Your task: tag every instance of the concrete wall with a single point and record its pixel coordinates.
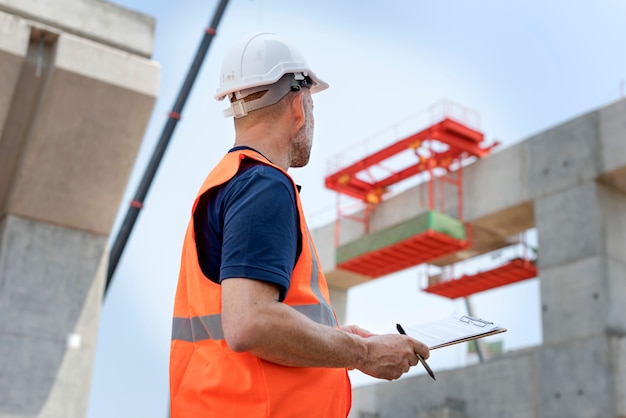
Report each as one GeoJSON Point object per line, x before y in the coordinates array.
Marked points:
{"type": "Point", "coordinates": [75, 97]}
{"type": "Point", "coordinates": [574, 380]}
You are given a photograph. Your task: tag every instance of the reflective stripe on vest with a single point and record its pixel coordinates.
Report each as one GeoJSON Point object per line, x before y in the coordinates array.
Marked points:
{"type": "Point", "coordinates": [209, 327]}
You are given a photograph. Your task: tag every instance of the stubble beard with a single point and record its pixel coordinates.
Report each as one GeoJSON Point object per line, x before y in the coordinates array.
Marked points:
{"type": "Point", "coordinates": [302, 144]}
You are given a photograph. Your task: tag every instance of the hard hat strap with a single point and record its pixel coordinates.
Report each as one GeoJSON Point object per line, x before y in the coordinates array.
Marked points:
{"type": "Point", "coordinates": [289, 82]}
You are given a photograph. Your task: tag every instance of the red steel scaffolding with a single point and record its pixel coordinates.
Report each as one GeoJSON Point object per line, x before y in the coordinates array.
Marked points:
{"type": "Point", "coordinates": [437, 152]}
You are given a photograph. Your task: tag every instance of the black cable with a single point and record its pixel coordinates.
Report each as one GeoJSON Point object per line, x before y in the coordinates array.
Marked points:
{"type": "Point", "coordinates": [174, 116]}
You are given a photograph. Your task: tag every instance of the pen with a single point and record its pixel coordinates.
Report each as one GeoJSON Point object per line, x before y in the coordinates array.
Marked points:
{"type": "Point", "coordinates": [419, 356]}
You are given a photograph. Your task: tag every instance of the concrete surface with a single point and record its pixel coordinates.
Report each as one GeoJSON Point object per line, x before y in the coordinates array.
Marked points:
{"type": "Point", "coordinates": [92, 124]}
{"type": "Point", "coordinates": [14, 35]}
{"type": "Point", "coordinates": [75, 97]}
{"type": "Point", "coordinates": [103, 22]}
{"type": "Point", "coordinates": [51, 282]}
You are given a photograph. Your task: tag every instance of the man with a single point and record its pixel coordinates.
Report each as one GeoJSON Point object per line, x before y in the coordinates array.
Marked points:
{"type": "Point", "coordinates": [253, 331]}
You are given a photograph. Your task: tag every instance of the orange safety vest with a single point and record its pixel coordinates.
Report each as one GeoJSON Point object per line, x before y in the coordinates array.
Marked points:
{"type": "Point", "coordinates": [208, 379]}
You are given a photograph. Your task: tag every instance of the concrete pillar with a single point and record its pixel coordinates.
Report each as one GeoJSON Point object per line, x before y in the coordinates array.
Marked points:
{"type": "Point", "coordinates": [326, 252]}
{"type": "Point", "coordinates": [73, 109]}
{"type": "Point", "coordinates": [582, 241]}
{"type": "Point", "coordinates": [51, 281]}
{"type": "Point", "coordinates": [338, 299]}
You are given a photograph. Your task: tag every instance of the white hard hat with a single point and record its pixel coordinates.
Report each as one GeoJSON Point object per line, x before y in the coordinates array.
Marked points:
{"type": "Point", "coordinates": [258, 62]}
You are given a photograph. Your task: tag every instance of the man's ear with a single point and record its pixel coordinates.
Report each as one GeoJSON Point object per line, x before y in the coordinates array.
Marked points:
{"type": "Point", "coordinates": [297, 108]}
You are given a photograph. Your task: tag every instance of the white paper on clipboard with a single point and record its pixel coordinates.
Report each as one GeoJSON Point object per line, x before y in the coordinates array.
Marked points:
{"type": "Point", "coordinates": [454, 329]}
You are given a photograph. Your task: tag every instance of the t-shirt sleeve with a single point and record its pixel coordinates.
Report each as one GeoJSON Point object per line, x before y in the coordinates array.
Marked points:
{"type": "Point", "coordinates": [260, 227]}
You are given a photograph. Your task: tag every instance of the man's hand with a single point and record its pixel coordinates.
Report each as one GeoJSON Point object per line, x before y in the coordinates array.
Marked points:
{"type": "Point", "coordinates": [390, 356]}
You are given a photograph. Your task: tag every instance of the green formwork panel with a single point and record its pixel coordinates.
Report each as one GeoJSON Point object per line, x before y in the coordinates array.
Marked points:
{"type": "Point", "coordinates": [431, 220]}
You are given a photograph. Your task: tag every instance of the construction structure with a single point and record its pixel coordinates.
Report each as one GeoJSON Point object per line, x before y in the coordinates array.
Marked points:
{"type": "Point", "coordinates": [569, 183]}
{"type": "Point", "coordinates": [438, 154]}
{"type": "Point", "coordinates": [67, 148]}
{"type": "Point", "coordinates": [76, 93]}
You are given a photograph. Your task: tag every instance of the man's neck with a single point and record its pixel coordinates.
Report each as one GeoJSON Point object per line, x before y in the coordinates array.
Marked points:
{"type": "Point", "coordinates": [264, 145]}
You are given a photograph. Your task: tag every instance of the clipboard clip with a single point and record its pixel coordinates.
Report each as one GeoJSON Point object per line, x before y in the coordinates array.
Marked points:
{"type": "Point", "coordinates": [474, 321]}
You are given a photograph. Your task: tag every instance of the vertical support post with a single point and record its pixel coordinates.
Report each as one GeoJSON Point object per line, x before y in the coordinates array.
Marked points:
{"type": "Point", "coordinates": [459, 191]}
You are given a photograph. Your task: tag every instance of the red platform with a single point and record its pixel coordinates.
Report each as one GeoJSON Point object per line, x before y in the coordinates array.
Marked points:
{"type": "Point", "coordinates": [410, 252]}
{"type": "Point", "coordinates": [460, 141]}
{"type": "Point", "coordinates": [515, 270]}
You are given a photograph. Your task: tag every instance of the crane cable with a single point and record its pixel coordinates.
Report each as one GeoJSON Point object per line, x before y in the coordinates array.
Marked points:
{"type": "Point", "coordinates": [136, 203]}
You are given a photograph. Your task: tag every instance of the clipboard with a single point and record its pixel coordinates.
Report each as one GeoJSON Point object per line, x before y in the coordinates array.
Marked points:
{"type": "Point", "coordinates": [454, 329]}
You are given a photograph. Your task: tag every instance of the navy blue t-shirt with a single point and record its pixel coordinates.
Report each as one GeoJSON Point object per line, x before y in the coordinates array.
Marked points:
{"type": "Point", "coordinates": [249, 227]}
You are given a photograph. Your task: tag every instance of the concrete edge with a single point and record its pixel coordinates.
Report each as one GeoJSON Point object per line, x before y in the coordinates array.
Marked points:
{"type": "Point", "coordinates": [104, 63]}
{"type": "Point", "coordinates": [14, 35]}
{"type": "Point", "coordinates": [97, 20]}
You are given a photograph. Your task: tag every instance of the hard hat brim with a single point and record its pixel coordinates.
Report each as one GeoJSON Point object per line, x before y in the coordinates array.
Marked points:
{"type": "Point", "coordinates": [319, 84]}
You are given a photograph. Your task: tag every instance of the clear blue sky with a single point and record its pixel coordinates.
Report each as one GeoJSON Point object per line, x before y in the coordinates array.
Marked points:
{"type": "Point", "coordinates": [523, 66]}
